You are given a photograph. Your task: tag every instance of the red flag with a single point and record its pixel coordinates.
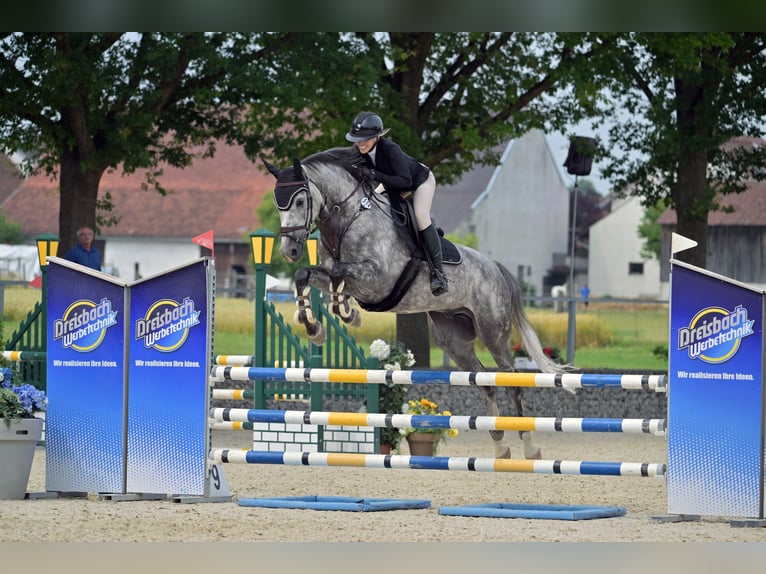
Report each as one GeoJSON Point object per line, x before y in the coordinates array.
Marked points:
{"type": "Point", "coordinates": [205, 240]}
{"type": "Point", "coordinates": [37, 282]}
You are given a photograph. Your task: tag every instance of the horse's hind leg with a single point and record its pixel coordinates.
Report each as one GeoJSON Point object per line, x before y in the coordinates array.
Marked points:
{"type": "Point", "coordinates": [498, 344]}
{"type": "Point", "coordinates": [455, 335]}
{"type": "Point", "coordinates": [531, 450]}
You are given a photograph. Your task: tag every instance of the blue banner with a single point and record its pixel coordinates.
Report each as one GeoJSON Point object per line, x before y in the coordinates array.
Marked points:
{"type": "Point", "coordinates": [169, 363]}
{"type": "Point", "coordinates": [85, 424]}
{"type": "Point", "coordinates": [716, 396]}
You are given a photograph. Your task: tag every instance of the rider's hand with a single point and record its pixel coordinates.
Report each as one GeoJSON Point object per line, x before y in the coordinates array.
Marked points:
{"type": "Point", "coordinates": [365, 171]}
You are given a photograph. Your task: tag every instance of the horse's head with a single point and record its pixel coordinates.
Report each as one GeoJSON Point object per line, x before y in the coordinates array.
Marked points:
{"type": "Point", "coordinates": [293, 200]}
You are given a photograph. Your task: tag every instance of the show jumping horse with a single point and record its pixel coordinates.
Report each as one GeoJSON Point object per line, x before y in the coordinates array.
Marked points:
{"type": "Point", "coordinates": [362, 255]}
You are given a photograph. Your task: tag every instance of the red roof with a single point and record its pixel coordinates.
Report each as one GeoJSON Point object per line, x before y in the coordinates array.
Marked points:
{"type": "Point", "coordinates": [749, 208]}
{"type": "Point", "coordinates": [219, 193]}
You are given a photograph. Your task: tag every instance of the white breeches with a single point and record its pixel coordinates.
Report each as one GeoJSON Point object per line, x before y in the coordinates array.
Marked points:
{"type": "Point", "coordinates": [421, 201]}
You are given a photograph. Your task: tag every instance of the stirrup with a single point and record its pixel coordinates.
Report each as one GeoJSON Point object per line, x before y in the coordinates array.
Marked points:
{"type": "Point", "coordinates": [438, 283]}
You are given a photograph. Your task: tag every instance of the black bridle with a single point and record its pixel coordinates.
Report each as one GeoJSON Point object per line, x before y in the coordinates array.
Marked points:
{"type": "Point", "coordinates": [285, 193]}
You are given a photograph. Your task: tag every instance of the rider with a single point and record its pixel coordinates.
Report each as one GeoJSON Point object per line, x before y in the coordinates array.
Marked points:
{"type": "Point", "coordinates": [399, 173]}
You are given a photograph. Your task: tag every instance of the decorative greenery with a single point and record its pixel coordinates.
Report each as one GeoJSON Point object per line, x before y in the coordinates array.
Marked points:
{"type": "Point", "coordinates": [18, 401]}
{"type": "Point", "coordinates": [391, 397]}
{"type": "Point", "coordinates": [424, 406]}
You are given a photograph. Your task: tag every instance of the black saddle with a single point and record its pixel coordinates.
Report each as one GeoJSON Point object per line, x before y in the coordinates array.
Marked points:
{"type": "Point", "coordinates": [403, 216]}
{"type": "Point", "coordinates": [406, 226]}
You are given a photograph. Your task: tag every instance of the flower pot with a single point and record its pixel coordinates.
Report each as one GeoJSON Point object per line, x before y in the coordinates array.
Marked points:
{"type": "Point", "coordinates": [524, 364]}
{"type": "Point", "coordinates": [17, 451]}
{"type": "Point", "coordinates": [385, 448]}
{"type": "Point", "coordinates": [423, 443]}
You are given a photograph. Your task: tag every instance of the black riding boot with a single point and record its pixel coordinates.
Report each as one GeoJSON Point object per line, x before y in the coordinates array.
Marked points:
{"type": "Point", "coordinates": [429, 237]}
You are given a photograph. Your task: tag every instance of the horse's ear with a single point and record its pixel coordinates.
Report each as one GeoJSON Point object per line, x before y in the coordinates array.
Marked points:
{"type": "Point", "coordinates": [272, 168]}
{"type": "Point", "coordinates": [297, 169]}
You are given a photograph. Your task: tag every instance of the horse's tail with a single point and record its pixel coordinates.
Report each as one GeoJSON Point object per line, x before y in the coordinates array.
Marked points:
{"type": "Point", "coordinates": [529, 337]}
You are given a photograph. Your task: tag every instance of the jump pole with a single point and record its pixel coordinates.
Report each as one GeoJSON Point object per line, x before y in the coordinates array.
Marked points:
{"type": "Point", "coordinates": [387, 420]}
{"type": "Point", "coordinates": [455, 378]}
{"type": "Point", "coordinates": [404, 462]}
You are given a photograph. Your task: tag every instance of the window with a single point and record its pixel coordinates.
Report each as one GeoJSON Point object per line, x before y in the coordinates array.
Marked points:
{"type": "Point", "coordinates": [636, 268]}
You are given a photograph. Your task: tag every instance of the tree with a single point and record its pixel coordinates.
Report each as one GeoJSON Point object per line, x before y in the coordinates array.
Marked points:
{"type": "Point", "coordinates": [449, 98]}
{"type": "Point", "coordinates": [651, 231]}
{"type": "Point", "coordinates": [591, 206]}
{"type": "Point", "coordinates": [675, 102]}
{"type": "Point", "coordinates": [83, 103]}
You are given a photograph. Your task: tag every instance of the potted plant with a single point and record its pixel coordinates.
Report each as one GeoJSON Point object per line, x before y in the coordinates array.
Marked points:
{"type": "Point", "coordinates": [20, 431]}
{"type": "Point", "coordinates": [391, 397]}
{"type": "Point", "coordinates": [425, 441]}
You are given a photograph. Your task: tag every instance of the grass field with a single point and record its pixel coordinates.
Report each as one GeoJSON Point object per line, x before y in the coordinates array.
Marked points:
{"type": "Point", "coordinates": [608, 336]}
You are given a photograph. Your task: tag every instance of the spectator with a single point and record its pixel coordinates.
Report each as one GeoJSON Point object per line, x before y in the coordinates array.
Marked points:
{"type": "Point", "coordinates": [585, 293]}
{"type": "Point", "coordinates": [85, 253]}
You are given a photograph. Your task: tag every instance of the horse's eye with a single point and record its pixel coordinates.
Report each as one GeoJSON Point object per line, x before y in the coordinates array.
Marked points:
{"type": "Point", "coordinates": [300, 202]}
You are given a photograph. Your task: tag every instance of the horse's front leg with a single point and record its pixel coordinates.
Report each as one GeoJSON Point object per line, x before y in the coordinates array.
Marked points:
{"type": "Point", "coordinates": [341, 302]}
{"type": "Point", "coordinates": [304, 279]}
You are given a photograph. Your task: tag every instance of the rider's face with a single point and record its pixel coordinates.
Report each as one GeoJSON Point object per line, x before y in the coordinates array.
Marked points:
{"type": "Point", "coordinates": [366, 145]}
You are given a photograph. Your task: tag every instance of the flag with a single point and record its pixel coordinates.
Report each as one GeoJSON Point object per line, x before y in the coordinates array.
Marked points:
{"type": "Point", "coordinates": [37, 282]}
{"type": "Point", "coordinates": [205, 240]}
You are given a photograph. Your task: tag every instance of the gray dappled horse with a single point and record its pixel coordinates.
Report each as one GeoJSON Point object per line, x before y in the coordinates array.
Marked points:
{"type": "Point", "coordinates": [362, 255]}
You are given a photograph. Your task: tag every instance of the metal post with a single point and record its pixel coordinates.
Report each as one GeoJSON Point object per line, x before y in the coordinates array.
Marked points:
{"type": "Point", "coordinates": [572, 322]}
{"type": "Point", "coordinates": [259, 332]}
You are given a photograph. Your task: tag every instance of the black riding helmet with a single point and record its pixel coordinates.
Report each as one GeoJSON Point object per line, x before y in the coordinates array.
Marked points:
{"type": "Point", "coordinates": [366, 125]}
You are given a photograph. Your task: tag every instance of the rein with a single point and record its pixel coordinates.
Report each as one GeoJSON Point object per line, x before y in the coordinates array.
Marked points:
{"type": "Point", "coordinates": [333, 230]}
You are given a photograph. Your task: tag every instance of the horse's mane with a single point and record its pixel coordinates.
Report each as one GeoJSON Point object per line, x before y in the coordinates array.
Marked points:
{"type": "Point", "coordinates": [344, 157]}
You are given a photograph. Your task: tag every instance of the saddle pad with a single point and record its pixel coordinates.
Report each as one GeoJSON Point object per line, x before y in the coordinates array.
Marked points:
{"type": "Point", "coordinates": [450, 254]}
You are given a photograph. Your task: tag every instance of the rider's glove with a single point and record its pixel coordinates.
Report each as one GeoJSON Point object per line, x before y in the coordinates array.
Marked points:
{"type": "Point", "coordinates": [365, 171]}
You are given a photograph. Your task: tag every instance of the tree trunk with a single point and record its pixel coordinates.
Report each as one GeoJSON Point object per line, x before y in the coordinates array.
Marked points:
{"type": "Point", "coordinates": [78, 195]}
{"type": "Point", "coordinates": [691, 197]}
{"type": "Point", "coordinates": [412, 330]}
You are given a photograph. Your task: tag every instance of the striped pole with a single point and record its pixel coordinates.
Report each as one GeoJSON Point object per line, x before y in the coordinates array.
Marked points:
{"type": "Point", "coordinates": [637, 469]}
{"type": "Point", "coordinates": [234, 360]}
{"type": "Point", "coordinates": [457, 378]}
{"type": "Point", "coordinates": [386, 420]}
{"type": "Point", "coordinates": [242, 394]}
{"type": "Point", "coordinates": [16, 356]}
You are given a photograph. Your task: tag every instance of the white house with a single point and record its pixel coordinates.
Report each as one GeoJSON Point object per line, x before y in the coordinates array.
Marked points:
{"type": "Point", "coordinates": [615, 265]}
{"type": "Point", "coordinates": [519, 211]}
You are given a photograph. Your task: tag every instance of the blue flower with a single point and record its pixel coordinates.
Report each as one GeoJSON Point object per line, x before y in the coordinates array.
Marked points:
{"type": "Point", "coordinates": [29, 398]}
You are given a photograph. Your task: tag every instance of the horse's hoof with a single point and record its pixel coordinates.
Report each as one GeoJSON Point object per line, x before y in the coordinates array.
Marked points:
{"type": "Point", "coordinates": [356, 318]}
{"type": "Point", "coordinates": [320, 337]}
{"type": "Point", "coordinates": [536, 455]}
{"type": "Point", "coordinates": [506, 453]}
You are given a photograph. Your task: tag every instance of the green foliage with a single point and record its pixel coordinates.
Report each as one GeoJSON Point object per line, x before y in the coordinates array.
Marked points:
{"type": "Point", "coordinates": [90, 102]}
{"type": "Point", "coordinates": [10, 232]}
{"type": "Point", "coordinates": [673, 101]}
{"type": "Point", "coordinates": [469, 239]}
{"type": "Point", "coordinates": [651, 231]}
{"type": "Point", "coordinates": [268, 216]}
{"type": "Point", "coordinates": [661, 352]}
{"type": "Point", "coordinates": [391, 397]}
